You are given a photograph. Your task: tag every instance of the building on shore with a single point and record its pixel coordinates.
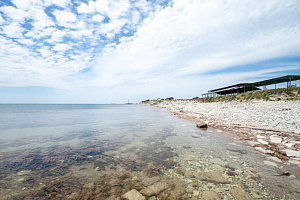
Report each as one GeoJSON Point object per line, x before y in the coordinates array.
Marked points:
{"type": "Point", "coordinates": [250, 87]}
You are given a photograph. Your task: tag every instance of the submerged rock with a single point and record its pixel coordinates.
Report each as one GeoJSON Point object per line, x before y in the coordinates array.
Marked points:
{"type": "Point", "coordinates": [154, 189]}
{"type": "Point", "coordinates": [133, 195]}
{"type": "Point", "coordinates": [210, 195]}
{"type": "Point", "coordinates": [150, 181]}
{"type": "Point", "coordinates": [216, 177]}
{"type": "Point", "coordinates": [240, 194]}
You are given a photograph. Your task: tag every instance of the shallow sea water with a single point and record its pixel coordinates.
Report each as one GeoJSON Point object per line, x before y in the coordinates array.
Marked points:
{"type": "Point", "coordinates": [104, 151]}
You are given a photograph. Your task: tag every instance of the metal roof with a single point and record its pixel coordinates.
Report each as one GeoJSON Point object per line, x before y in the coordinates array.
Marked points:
{"type": "Point", "coordinates": [229, 87]}
{"type": "Point", "coordinates": [272, 81]}
{"type": "Point", "coordinates": [253, 86]}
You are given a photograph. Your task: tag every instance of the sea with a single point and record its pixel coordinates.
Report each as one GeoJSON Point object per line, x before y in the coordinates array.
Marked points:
{"type": "Point", "coordinates": [111, 151]}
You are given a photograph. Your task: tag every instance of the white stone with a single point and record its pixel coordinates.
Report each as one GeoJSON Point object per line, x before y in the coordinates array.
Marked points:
{"type": "Point", "coordinates": [260, 149]}
{"type": "Point", "coordinates": [295, 162]}
{"type": "Point", "coordinates": [266, 162]}
{"type": "Point", "coordinates": [260, 136]}
{"type": "Point", "coordinates": [275, 139]}
{"type": "Point", "coordinates": [262, 141]}
{"type": "Point", "coordinates": [274, 159]}
{"type": "Point", "coordinates": [289, 144]}
{"type": "Point", "coordinates": [292, 153]}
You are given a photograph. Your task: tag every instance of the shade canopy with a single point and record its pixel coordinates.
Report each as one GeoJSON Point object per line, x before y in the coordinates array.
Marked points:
{"type": "Point", "coordinates": [249, 87]}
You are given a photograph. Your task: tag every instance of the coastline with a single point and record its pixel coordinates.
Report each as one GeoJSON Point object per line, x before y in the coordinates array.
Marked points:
{"type": "Point", "coordinates": [271, 127]}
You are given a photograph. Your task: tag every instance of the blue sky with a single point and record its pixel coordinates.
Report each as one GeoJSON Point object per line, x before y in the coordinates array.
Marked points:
{"type": "Point", "coordinates": [112, 51]}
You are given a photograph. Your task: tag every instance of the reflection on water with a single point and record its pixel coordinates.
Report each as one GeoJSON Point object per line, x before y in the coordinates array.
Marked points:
{"type": "Point", "coordinates": [106, 151]}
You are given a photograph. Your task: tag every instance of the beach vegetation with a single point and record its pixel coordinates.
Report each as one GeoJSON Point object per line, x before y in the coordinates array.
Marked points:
{"type": "Point", "coordinates": [170, 98]}
{"type": "Point", "coordinates": [290, 93]}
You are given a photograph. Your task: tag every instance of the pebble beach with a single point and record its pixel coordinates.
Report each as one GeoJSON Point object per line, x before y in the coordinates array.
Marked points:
{"type": "Point", "coordinates": [272, 127]}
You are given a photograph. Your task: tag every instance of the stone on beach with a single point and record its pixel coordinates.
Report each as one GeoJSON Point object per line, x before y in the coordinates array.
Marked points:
{"type": "Point", "coordinates": [201, 125]}
{"type": "Point", "coordinates": [275, 139]}
{"type": "Point", "coordinates": [262, 150]}
{"type": "Point", "coordinates": [133, 195]}
{"type": "Point", "coordinates": [292, 153]}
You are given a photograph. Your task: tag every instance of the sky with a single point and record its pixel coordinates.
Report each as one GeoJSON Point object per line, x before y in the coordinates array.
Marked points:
{"type": "Point", "coordinates": [114, 51]}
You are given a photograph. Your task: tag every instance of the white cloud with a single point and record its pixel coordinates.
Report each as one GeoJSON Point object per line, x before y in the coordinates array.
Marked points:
{"type": "Point", "coordinates": [135, 17]}
{"type": "Point", "coordinates": [84, 8]}
{"type": "Point", "coordinates": [57, 36]}
{"type": "Point", "coordinates": [197, 37]}
{"type": "Point", "coordinates": [13, 30]}
{"type": "Point", "coordinates": [64, 18]}
{"type": "Point", "coordinates": [2, 21]}
{"type": "Point", "coordinates": [17, 15]}
{"type": "Point", "coordinates": [61, 3]}
{"type": "Point", "coordinates": [26, 42]}
{"type": "Point", "coordinates": [97, 18]}
{"type": "Point", "coordinates": [102, 6]}
{"type": "Point", "coordinates": [25, 4]}
{"type": "Point", "coordinates": [61, 47]}
{"type": "Point", "coordinates": [80, 33]}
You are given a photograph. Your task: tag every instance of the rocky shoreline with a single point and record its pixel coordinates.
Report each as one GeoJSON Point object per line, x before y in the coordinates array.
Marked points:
{"type": "Point", "coordinates": [271, 127]}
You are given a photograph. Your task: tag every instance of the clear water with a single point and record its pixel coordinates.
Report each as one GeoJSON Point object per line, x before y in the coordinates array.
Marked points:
{"type": "Point", "coordinates": [104, 151]}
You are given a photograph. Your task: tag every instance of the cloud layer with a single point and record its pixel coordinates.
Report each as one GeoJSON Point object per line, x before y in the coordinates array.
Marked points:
{"type": "Point", "coordinates": [143, 47]}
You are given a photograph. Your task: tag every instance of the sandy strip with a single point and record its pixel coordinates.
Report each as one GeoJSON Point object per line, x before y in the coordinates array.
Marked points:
{"type": "Point", "coordinates": [271, 127]}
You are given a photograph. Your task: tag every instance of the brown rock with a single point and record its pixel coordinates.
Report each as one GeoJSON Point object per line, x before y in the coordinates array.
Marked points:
{"type": "Point", "coordinates": [201, 125]}
{"type": "Point", "coordinates": [210, 195]}
{"type": "Point", "coordinates": [133, 195]}
{"type": "Point", "coordinates": [216, 177]}
{"type": "Point", "coordinates": [240, 194]}
{"type": "Point", "coordinates": [154, 189]}
{"type": "Point", "coordinates": [151, 181]}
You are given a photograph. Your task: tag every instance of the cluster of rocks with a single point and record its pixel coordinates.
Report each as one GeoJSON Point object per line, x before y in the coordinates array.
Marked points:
{"type": "Point", "coordinates": [270, 126]}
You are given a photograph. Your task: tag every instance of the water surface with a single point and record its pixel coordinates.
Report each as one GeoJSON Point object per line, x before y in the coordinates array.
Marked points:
{"type": "Point", "coordinates": [104, 151]}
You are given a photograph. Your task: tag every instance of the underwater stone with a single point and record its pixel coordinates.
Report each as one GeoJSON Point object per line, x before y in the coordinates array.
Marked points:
{"type": "Point", "coordinates": [210, 195]}
{"type": "Point", "coordinates": [240, 194]}
{"type": "Point", "coordinates": [216, 177]}
{"type": "Point", "coordinates": [154, 189]}
{"type": "Point", "coordinates": [133, 195]}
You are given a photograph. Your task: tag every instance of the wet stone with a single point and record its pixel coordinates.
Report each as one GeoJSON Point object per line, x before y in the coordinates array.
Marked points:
{"type": "Point", "coordinates": [133, 195]}
{"type": "Point", "coordinates": [201, 125]}
{"type": "Point", "coordinates": [215, 177]}
{"type": "Point", "coordinates": [217, 161]}
{"type": "Point", "coordinates": [154, 189]}
{"type": "Point", "coordinates": [232, 165]}
{"type": "Point", "coordinates": [240, 194]}
{"type": "Point", "coordinates": [151, 181]}
{"type": "Point", "coordinates": [210, 195]}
